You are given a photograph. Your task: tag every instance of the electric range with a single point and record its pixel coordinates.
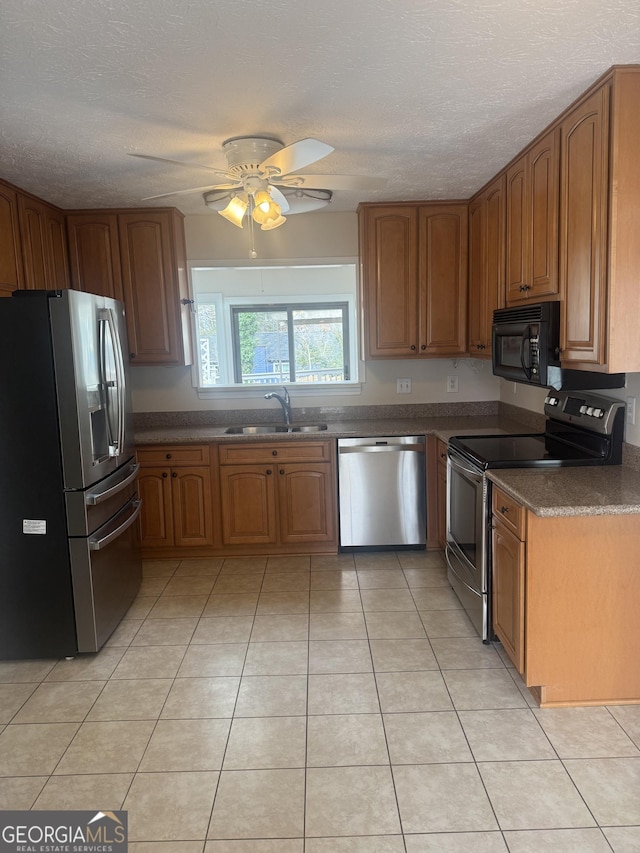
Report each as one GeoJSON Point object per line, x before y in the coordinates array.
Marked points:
{"type": "Point", "coordinates": [581, 429]}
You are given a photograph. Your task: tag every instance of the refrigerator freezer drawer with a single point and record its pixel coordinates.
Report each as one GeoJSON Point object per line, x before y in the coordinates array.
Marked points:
{"type": "Point", "coordinates": [106, 572]}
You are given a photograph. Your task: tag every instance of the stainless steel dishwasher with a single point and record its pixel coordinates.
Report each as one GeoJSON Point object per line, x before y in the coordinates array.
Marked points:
{"type": "Point", "coordinates": [381, 488]}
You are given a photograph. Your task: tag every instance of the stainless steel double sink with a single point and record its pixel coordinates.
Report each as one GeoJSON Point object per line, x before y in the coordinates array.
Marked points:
{"type": "Point", "coordinates": [267, 429]}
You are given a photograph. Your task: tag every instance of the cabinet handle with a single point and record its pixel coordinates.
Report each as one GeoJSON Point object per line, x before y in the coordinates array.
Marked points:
{"type": "Point", "coordinates": [168, 456]}
{"type": "Point", "coordinates": [282, 470]}
{"type": "Point", "coordinates": [164, 474]}
{"type": "Point", "coordinates": [174, 474]}
{"type": "Point", "coordinates": [274, 452]}
{"type": "Point", "coordinates": [413, 346]}
{"type": "Point", "coordinates": [504, 509]}
{"type": "Point", "coordinates": [443, 456]}
{"type": "Point", "coordinates": [424, 346]}
{"type": "Point", "coordinates": [132, 355]}
{"type": "Point", "coordinates": [268, 470]}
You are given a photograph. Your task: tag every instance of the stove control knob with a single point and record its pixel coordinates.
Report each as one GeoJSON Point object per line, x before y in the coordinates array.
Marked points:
{"type": "Point", "coordinates": [598, 413]}
{"type": "Point", "coordinates": [590, 411]}
{"type": "Point", "coordinates": [583, 409]}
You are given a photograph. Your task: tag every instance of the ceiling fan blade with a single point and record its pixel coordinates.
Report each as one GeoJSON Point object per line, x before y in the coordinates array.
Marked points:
{"type": "Point", "coordinates": [181, 163]}
{"type": "Point", "coordinates": [297, 156]}
{"type": "Point", "coordinates": [279, 198]}
{"type": "Point", "coordinates": [331, 182]}
{"type": "Point", "coordinates": [195, 190]}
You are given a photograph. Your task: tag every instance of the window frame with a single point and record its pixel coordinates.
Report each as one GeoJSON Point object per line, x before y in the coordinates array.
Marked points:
{"type": "Point", "coordinates": [349, 387]}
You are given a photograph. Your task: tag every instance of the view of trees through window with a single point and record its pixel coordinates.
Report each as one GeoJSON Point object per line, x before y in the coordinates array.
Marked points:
{"type": "Point", "coordinates": [291, 344]}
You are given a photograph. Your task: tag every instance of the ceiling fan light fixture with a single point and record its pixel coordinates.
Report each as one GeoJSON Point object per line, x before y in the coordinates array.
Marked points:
{"type": "Point", "coordinates": [270, 224]}
{"type": "Point", "coordinates": [235, 210]}
{"type": "Point", "coordinates": [262, 216]}
{"type": "Point", "coordinates": [262, 199]}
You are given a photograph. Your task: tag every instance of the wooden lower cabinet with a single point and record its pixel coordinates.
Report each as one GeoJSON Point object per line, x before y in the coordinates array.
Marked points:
{"type": "Point", "coordinates": [177, 507]}
{"type": "Point", "coordinates": [565, 593]}
{"type": "Point", "coordinates": [240, 499]}
{"type": "Point", "coordinates": [436, 493]}
{"type": "Point", "coordinates": [281, 496]}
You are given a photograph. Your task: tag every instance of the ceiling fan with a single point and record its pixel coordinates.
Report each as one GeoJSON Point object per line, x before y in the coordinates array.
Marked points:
{"type": "Point", "coordinates": [261, 181]}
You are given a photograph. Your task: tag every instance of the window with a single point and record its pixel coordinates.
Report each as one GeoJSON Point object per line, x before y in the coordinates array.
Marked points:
{"type": "Point", "coordinates": [275, 325]}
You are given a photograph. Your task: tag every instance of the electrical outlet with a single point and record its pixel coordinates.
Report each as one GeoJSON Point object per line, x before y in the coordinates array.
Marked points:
{"type": "Point", "coordinates": [631, 410]}
{"type": "Point", "coordinates": [452, 384]}
{"type": "Point", "coordinates": [403, 386]}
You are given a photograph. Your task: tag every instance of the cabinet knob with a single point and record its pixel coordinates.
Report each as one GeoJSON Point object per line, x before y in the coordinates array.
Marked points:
{"type": "Point", "coordinates": [174, 474]}
{"type": "Point", "coordinates": [268, 470]}
{"type": "Point", "coordinates": [274, 452]}
{"type": "Point", "coordinates": [424, 346]}
{"type": "Point", "coordinates": [168, 456]}
{"type": "Point", "coordinates": [504, 509]}
{"type": "Point", "coordinates": [164, 474]}
{"type": "Point", "coordinates": [413, 346]}
{"type": "Point", "coordinates": [282, 470]}
{"type": "Point", "coordinates": [132, 355]}
{"type": "Point", "coordinates": [443, 456]}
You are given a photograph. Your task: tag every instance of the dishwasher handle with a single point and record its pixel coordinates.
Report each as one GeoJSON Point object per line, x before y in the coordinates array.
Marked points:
{"type": "Point", "coordinates": [382, 447]}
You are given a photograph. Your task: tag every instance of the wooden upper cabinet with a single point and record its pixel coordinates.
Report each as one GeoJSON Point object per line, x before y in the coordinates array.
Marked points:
{"type": "Point", "coordinates": [442, 274]}
{"type": "Point", "coordinates": [94, 254]}
{"type": "Point", "coordinates": [388, 250]}
{"type": "Point", "coordinates": [44, 244]}
{"type": "Point", "coordinates": [532, 202]}
{"type": "Point", "coordinates": [154, 280]}
{"type": "Point", "coordinates": [583, 254]}
{"type": "Point", "coordinates": [33, 231]}
{"type": "Point", "coordinates": [486, 264]}
{"type": "Point", "coordinates": [137, 256]}
{"type": "Point", "coordinates": [11, 275]}
{"type": "Point", "coordinates": [413, 279]}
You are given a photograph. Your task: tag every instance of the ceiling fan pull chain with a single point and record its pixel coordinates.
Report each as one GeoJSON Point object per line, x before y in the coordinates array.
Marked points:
{"type": "Point", "coordinates": [252, 249]}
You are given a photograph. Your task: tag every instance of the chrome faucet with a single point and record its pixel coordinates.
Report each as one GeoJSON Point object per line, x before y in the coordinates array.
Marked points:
{"type": "Point", "coordinates": [285, 402]}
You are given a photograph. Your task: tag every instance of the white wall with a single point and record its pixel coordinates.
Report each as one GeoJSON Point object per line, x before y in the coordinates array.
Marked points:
{"type": "Point", "coordinates": [317, 235]}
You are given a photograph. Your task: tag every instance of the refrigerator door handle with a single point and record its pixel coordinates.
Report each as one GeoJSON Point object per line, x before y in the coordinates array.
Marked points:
{"type": "Point", "coordinates": [98, 544]}
{"type": "Point", "coordinates": [107, 321]}
{"type": "Point", "coordinates": [96, 497]}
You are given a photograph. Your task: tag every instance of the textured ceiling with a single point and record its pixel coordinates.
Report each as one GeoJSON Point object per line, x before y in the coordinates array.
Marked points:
{"type": "Point", "coordinates": [436, 96]}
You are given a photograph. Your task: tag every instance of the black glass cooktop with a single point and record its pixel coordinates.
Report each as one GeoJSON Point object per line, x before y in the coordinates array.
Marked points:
{"type": "Point", "coordinates": [524, 451]}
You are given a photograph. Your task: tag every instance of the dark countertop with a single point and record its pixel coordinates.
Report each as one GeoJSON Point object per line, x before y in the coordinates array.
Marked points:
{"type": "Point", "coordinates": [443, 427]}
{"type": "Point", "coordinates": [554, 492]}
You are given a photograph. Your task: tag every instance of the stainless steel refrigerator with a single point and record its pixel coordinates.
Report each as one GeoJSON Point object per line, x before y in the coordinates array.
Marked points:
{"type": "Point", "coordinates": [69, 565]}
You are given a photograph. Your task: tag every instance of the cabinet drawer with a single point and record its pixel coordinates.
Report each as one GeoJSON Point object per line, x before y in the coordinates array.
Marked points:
{"type": "Point", "coordinates": [169, 455]}
{"type": "Point", "coordinates": [509, 511]}
{"type": "Point", "coordinates": [283, 451]}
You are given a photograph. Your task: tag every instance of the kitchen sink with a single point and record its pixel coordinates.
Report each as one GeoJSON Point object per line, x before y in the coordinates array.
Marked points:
{"type": "Point", "coordinates": [266, 429]}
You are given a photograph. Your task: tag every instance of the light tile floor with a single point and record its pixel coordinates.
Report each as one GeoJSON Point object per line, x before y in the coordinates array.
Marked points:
{"type": "Point", "coordinates": [318, 704]}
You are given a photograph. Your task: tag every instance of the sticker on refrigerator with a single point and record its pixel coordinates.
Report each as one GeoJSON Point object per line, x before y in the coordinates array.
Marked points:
{"type": "Point", "coordinates": [34, 526]}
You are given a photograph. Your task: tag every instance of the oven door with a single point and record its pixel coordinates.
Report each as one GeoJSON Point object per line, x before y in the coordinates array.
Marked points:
{"type": "Point", "coordinates": [467, 513]}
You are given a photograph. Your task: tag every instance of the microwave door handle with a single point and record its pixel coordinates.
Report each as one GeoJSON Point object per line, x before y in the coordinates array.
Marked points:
{"type": "Point", "coordinates": [525, 343]}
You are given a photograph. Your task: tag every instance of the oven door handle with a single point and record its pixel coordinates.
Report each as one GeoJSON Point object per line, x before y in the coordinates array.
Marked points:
{"type": "Point", "coordinates": [456, 464]}
{"type": "Point", "coordinates": [526, 341]}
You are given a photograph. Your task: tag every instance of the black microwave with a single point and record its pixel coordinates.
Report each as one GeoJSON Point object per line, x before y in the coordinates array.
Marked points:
{"type": "Point", "coordinates": [526, 348]}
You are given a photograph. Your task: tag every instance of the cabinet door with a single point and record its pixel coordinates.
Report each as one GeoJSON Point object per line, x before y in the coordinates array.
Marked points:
{"type": "Point", "coordinates": [94, 254]}
{"type": "Point", "coordinates": [248, 503]}
{"type": "Point", "coordinates": [508, 592]}
{"type": "Point", "coordinates": [518, 237]}
{"type": "Point", "coordinates": [148, 252]}
{"type": "Point", "coordinates": [155, 522]}
{"type": "Point", "coordinates": [583, 234]}
{"type": "Point", "coordinates": [477, 228]}
{"type": "Point", "coordinates": [11, 275]}
{"type": "Point", "coordinates": [33, 233]}
{"type": "Point", "coordinates": [442, 273]}
{"type": "Point", "coordinates": [388, 249]}
{"type": "Point", "coordinates": [58, 258]}
{"type": "Point", "coordinates": [306, 503]}
{"type": "Point", "coordinates": [192, 508]}
{"type": "Point", "coordinates": [544, 188]}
